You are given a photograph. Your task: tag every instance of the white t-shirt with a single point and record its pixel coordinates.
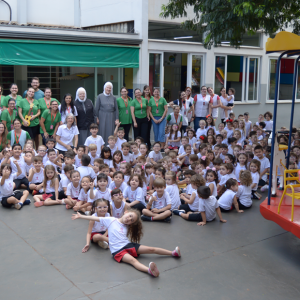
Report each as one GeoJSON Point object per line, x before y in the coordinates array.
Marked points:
{"type": "Point", "coordinates": [174, 195]}
{"type": "Point", "coordinates": [50, 163]}
{"type": "Point", "coordinates": [244, 195]}
{"type": "Point", "coordinates": [138, 195]}
{"type": "Point", "coordinates": [109, 162]}
{"type": "Point", "coordinates": [66, 136]}
{"type": "Point", "coordinates": [83, 196]}
{"type": "Point", "coordinates": [255, 179]}
{"type": "Point", "coordinates": [99, 194]}
{"type": "Point", "coordinates": [66, 112]}
{"type": "Point", "coordinates": [122, 187]}
{"type": "Point", "coordinates": [248, 127]}
{"type": "Point", "coordinates": [98, 141]}
{"type": "Point", "coordinates": [45, 159]}
{"type": "Point", "coordinates": [155, 156]}
{"type": "Point", "coordinates": [264, 164]}
{"type": "Point", "coordinates": [215, 111]}
{"type": "Point", "coordinates": [120, 142]}
{"type": "Point", "coordinates": [73, 191]}
{"type": "Point", "coordinates": [195, 205]}
{"type": "Point", "coordinates": [181, 150]}
{"type": "Point", "coordinates": [38, 177]}
{"type": "Point", "coordinates": [109, 180]}
{"type": "Point", "coordinates": [135, 156]}
{"type": "Point", "coordinates": [226, 200]}
{"type": "Point", "coordinates": [229, 133]}
{"type": "Point", "coordinates": [226, 177]}
{"type": "Point", "coordinates": [224, 102]}
{"type": "Point", "coordinates": [93, 158]}
{"type": "Point", "coordinates": [98, 227]}
{"type": "Point", "coordinates": [49, 188]}
{"type": "Point", "coordinates": [209, 206]}
{"type": "Point", "coordinates": [28, 167]}
{"type": "Point", "coordinates": [126, 178]}
{"type": "Point", "coordinates": [63, 167]}
{"type": "Point", "coordinates": [231, 100]}
{"type": "Point", "coordinates": [161, 202]}
{"type": "Point", "coordinates": [148, 178]}
{"type": "Point", "coordinates": [117, 233]}
{"type": "Point", "coordinates": [64, 181]}
{"type": "Point", "coordinates": [215, 192]}
{"type": "Point", "coordinates": [189, 189]}
{"type": "Point", "coordinates": [8, 187]}
{"type": "Point", "coordinates": [117, 212]}
{"type": "Point", "coordinates": [14, 168]}
{"type": "Point", "coordinates": [128, 158]}
{"type": "Point", "coordinates": [86, 171]}
{"type": "Point", "coordinates": [237, 171]}
{"type": "Point", "coordinates": [174, 144]}
{"type": "Point", "coordinates": [200, 132]}
{"type": "Point", "coordinates": [192, 141]}
{"type": "Point", "coordinates": [269, 125]}
{"type": "Point", "coordinates": [77, 161]}
{"type": "Point", "coordinates": [113, 150]}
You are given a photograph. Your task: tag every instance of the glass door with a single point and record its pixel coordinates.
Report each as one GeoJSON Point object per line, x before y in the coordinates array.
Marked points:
{"type": "Point", "coordinates": [156, 71]}
{"type": "Point", "coordinates": [252, 78]}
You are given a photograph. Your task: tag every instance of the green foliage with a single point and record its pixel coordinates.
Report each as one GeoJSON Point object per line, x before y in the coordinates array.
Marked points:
{"type": "Point", "coordinates": [230, 19]}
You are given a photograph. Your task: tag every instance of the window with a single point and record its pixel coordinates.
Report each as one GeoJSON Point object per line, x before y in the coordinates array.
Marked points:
{"type": "Point", "coordinates": [286, 79]}
{"type": "Point", "coordinates": [49, 77]}
{"type": "Point", "coordinates": [154, 70]}
{"type": "Point", "coordinates": [240, 73]}
{"type": "Point", "coordinates": [6, 78]}
{"type": "Point", "coordinates": [249, 40]}
{"type": "Point", "coordinates": [196, 73]}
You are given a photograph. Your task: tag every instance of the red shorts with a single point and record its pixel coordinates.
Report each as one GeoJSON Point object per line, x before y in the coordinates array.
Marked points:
{"type": "Point", "coordinates": [46, 196]}
{"type": "Point", "coordinates": [172, 148]}
{"type": "Point", "coordinates": [93, 233]}
{"type": "Point", "coordinates": [130, 248]}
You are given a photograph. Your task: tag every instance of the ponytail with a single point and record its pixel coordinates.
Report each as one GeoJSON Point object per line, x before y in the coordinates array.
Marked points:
{"type": "Point", "coordinates": [228, 185]}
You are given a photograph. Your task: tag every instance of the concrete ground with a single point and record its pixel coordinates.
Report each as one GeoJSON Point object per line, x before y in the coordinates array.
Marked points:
{"type": "Point", "coordinates": [246, 258]}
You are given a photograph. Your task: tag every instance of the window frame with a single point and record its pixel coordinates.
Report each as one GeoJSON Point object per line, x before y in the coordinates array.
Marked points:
{"type": "Point", "coordinates": [245, 78]}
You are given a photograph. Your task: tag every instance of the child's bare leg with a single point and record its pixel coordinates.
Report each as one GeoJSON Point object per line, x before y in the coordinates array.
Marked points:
{"type": "Point", "coordinates": [185, 216]}
{"type": "Point", "coordinates": [24, 197]}
{"type": "Point", "coordinates": [12, 200]}
{"type": "Point", "coordinates": [38, 198]}
{"type": "Point", "coordinates": [153, 250]}
{"type": "Point", "coordinates": [162, 216]}
{"type": "Point", "coordinates": [99, 237]}
{"type": "Point", "coordinates": [70, 202]}
{"type": "Point", "coordinates": [226, 113]}
{"type": "Point", "coordinates": [49, 202]}
{"type": "Point", "coordinates": [127, 258]}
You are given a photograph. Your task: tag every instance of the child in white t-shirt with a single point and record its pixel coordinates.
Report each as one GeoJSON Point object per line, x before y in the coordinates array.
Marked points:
{"type": "Point", "coordinates": [172, 189]}
{"type": "Point", "coordinates": [119, 135]}
{"type": "Point", "coordinates": [73, 190]}
{"type": "Point", "coordinates": [85, 170]}
{"type": "Point", "coordinates": [208, 207]}
{"type": "Point", "coordinates": [80, 152]}
{"type": "Point", "coordinates": [227, 196]}
{"type": "Point", "coordinates": [36, 175]}
{"type": "Point", "coordinates": [201, 130]}
{"type": "Point", "coordinates": [244, 191]}
{"type": "Point", "coordinates": [155, 155]}
{"type": "Point", "coordinates": [230, 100]}
{"type": "Point", "coordinates": [93, 153]}
{"type": "Point", "coordinates": [94, 139]}
{"type": "Point", "coordinates": [118, 206]}
{"type": "Point", "coordinates": [128, 157]}
{"type": "Point", "coordinates": [254, 169]}
{"type": "Point", "coordinates": [112, 144]}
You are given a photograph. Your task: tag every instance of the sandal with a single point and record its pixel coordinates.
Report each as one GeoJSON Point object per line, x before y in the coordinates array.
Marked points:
{"type": "Point", "coordinates": [38, 204]}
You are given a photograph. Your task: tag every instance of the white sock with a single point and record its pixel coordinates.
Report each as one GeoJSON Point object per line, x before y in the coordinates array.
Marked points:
{"type": "Point", "coordinates": [180, 213]}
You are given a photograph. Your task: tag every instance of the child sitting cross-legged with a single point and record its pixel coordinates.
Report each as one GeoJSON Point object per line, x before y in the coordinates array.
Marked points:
{"type": "Point", "coordinates": [159, 205]}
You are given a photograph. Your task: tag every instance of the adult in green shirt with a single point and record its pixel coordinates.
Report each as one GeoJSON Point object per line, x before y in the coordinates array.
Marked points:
{"type": "Point", "coordinates": [45, 101]}
{"type": "Point", "coordinates": [30, 108]}
{"type": "Point", "coordinates": [124, 111]}
{"type": "Point", "coordinates": [17, 135]}
{"type": "Point", "coordinates": [147, 95]}
{"type": "Point", "coordinates": [8, 115]}
{"type": "Point", "coordinates": [140, 115]}
{"type": "Point", "coordinates": [50, 121]}
{"type": "Point", "coordinates": [2, 136]}
{"type": "Point", "coordinates": [13, 94]}
{"type": "Point", "coordinates": [158, 107]}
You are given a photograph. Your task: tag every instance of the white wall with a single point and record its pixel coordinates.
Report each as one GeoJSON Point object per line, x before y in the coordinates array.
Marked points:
{"type": "Point", "coordinates": [4, 10]}
{"type": "Point", "coordinates": [155, 9]}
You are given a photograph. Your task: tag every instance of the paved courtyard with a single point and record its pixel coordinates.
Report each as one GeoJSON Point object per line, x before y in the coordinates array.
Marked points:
{"type": "Point", "coordinates": [246, 258]}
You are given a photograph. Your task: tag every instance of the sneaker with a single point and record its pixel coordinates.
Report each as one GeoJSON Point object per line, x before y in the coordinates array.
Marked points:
{"type": "Point", "coordinates": [153, 270]}
{"type": "Point", "coordinates": [265, 188]}
{"type": "Point", "coordinates": [146, 218]}
{"type": "Point", "coordinates": [177, 211]}
{"type": "Point", "coordinates": [35, 192]}
{"type": "Point", "coordinates": [18, 205]}
{"type": "Point", "coordinates": [87, 213]}
{"type": "Point", "coordinates": [27, 202]}
{"type": "Point", "coordinates": [103, 244]}
{"type": "Point", "coordinates": [176, 252]}
{"type": "Point", "coordinates": [167, 220]}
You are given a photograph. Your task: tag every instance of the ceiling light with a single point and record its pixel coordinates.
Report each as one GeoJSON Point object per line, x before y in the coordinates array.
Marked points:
{"type": "Point", "coordinates": [183, 37]}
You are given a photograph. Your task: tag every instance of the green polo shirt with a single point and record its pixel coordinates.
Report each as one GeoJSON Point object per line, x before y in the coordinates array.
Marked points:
{"type": "Point", "coordinates": [5, 116]}
{"type": "Point", "coordinates": [124, 112]}
{"type": "Point", "coordinates": [25, 106]}
{"type": "Point", "coordinates": [4, 100]}
{"type": "Point", "coordinates": [43, 105]}
{"type": "Point", "coordinates": [48, 122]}
{"type": "Point", "coordinates": [161, 109]}
{"type": "Point", "coordinates": [140, 112]}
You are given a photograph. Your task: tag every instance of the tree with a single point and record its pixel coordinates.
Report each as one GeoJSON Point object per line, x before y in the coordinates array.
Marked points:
{"type": "Point", "coordinates": [229, 20]}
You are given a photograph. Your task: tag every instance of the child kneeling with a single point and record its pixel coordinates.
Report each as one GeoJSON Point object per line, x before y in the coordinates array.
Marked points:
{"type": "Point", "coordinates": [159, 205]}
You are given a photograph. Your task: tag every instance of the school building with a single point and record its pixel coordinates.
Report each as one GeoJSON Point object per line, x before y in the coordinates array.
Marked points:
{"type": "Point", "coordinates": [74, 43]}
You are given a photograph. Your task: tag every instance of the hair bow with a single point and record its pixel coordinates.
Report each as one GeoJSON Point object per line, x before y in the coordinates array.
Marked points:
{"type": "Point", "coordinates": [142, 167]}
{"type": "Point", "coordinates": [124, 161]}
{"type": "Point", "coordinates": [239, 144]}
{"type": "Point", "coordinates": [208, 168]}
{"type": "Point", "coordinates": [203, 157]}
{"type": "Point", "coordinates": [207, 116]}
{"type": "Point", "coordinates": [202, 138]}
{"type": "Point", "coordinates": [229, 121]}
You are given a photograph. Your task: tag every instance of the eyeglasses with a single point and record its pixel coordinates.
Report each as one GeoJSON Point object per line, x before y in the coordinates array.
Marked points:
{"type": "Point", "coordinates": [102, 207]}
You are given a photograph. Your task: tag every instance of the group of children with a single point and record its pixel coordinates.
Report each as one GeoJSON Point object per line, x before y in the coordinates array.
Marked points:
{"type": "Point", "coordinates": [199, 176]}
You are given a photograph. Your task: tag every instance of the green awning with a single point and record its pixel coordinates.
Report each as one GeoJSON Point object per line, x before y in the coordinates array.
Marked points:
{"type": "Point", "coordinates": [45, 53]}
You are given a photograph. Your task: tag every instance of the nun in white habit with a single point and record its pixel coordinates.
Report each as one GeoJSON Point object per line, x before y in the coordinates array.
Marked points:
{"type": "Point", "coordinates": [86, 115]}
{"type": "Point", "coordinates": [107, 112]}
